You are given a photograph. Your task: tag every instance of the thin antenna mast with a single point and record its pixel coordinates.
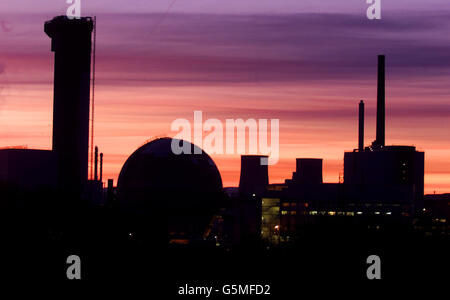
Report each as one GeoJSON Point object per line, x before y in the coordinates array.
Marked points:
{"type": "Point", "coordinates": [93, 98]}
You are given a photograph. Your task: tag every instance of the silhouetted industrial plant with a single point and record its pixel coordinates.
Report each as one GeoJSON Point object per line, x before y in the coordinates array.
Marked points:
{"type": "Point", "coordinates": [175, 205]}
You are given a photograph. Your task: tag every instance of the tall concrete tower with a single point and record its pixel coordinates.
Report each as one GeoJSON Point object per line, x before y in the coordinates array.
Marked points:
{"type": "Point", "coordinates": [71, 42]}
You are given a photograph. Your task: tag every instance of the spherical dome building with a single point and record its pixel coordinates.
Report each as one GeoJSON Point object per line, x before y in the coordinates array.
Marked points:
{"type": "Point", "coordinates": [175, 195]}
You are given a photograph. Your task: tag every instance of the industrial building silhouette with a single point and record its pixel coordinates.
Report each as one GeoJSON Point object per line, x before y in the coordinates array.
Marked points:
{"type": "Point", "coordinates": [382, 184]}
{"type": "Point", "coordinates": [166, 200]}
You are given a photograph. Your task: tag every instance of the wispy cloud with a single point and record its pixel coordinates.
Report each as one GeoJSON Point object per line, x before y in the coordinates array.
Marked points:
{"type": "Point", "coordinates": [308, 70]}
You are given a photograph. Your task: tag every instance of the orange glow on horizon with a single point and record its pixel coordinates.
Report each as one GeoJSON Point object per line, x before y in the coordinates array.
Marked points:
{"type": "Point", "coordinates": [313, 91]}
{"type": "Point", "coordinates": [123, 126]}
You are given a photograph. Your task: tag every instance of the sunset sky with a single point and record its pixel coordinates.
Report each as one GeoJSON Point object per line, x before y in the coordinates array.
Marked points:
{"type": "Point", "coordinates": [306, 63]}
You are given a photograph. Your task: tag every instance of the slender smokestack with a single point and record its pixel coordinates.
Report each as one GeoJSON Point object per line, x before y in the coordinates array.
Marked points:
{"type": "Point", "coordinates": [361, 127]}
{"type": "Point", "coordinates": [101, 167]}
{"type": "Point", "coordinates": [380, 140]}
{"type": "Point", "coordinates": [96, 164]}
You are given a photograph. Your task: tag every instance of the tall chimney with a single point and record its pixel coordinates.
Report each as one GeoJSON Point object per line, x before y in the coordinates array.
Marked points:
{"type": "Point", "coordinates": [380, 140]}
{"type": "Point", "coordinates": [96, 164]}
{"type": "Point", "coordinates": [101, 167]}
{"type": "Point", "coordinates": [71, 42]}
{"type": "Point", "coordinates": [361, 127]}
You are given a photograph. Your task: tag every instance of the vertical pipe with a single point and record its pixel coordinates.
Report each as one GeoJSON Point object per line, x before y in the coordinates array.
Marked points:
{"type": "Point", "coordinates": [361, 127]}
{"type": "Point", "coordinates": [93, 87]}
{"type": "Point", "coordinates": [101, 167]}
{"type": "Point", "coordinates": [380, 140]}
{"type": "Point", "coordinates": [96, 164]}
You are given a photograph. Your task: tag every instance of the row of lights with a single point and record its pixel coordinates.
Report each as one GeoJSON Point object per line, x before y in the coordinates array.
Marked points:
{"type": "Point", "coordinates": [339, 213]}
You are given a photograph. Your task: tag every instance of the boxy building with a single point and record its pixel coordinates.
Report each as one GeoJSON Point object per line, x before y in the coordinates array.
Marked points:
{"type": "Point", "coordinates": [28, 168]}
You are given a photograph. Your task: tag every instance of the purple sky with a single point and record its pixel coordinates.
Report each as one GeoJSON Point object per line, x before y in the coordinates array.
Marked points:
{"type": "Point", "coordinates": [242, 59]}
{"type": "Point", "coordinates": [220, 6]}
